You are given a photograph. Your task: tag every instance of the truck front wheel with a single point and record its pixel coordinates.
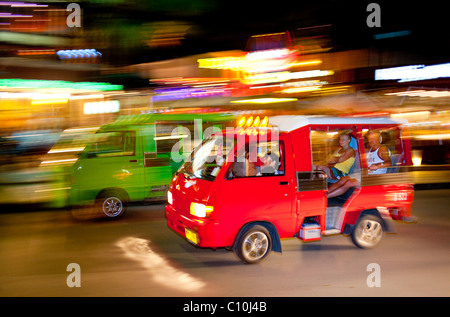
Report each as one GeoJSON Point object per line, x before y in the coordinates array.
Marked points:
{"type": "Point", "coordinates": [254, 245]}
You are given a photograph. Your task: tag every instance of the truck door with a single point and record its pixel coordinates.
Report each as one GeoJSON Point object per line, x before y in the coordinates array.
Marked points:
{"type": "Point", "coordinates": [262, 195]}
{"type": "Point", "coordinates": [111, 161]}
{"type": "Point", "coordinates": [157, 171]}
{"type": "Point", "coordinates": [311, 197]}
{"type": "Point", "coordinates": [311, 185]}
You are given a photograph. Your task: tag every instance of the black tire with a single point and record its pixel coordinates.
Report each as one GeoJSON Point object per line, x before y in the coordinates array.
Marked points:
{"type": "Point", "coordinates": [368, 232]}
{"type": "Point", "coordinates": [111, 204]}
{"type": "Point", "coordinates": [254, 245]}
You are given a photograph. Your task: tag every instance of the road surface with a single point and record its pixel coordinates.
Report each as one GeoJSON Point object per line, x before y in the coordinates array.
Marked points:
{"type": "Point", "coordinates": [43, 253]}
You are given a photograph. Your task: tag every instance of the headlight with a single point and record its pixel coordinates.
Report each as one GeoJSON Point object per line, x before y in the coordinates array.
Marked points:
{"type": "Point", "coordinates": [169, 198]}
{"type": "Point", "coordinates": [201, 210]}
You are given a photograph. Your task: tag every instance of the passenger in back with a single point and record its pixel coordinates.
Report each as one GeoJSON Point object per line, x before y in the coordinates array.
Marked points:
{"type": "Point", "coordinates": [342, 186]}
{"type": "Point", "coordinates": [378, 156]}
{"type": "Point", "coordinates": [341, 161]}
{"type": "Point", "coordinates": [378, 160]}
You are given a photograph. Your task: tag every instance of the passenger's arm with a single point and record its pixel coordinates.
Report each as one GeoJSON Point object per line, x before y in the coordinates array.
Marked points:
{"type": "Point", "coordinates": [384, 154]}
{"type": "Point", "coordinates": [333, 158]}
{"type": "Point", "coordinates": [346, 156]}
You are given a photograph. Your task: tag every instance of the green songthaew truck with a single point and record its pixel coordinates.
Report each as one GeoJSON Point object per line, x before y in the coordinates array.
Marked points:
{"type": "Point", "coordinates": [135, 157]}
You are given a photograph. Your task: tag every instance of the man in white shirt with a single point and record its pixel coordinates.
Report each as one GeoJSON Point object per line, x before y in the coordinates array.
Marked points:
{"type": "Point", "coordinates": [378, 157]}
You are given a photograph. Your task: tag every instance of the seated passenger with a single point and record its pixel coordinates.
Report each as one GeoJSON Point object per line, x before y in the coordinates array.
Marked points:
{"type": "Point", "coordinates": [245, 168]}
{"type": "Point", "coordinates": [271, 164]}
{"type": "Point", "coordinates": [378, 157]}
{"type": "Point", "coordinates": [341, 161]}
{"type": "Point", "coordinates": [342, 186]}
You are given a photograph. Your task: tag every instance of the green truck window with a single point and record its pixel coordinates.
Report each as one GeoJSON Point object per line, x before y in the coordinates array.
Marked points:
{"type": "Point", "coordinates": [109, 144]}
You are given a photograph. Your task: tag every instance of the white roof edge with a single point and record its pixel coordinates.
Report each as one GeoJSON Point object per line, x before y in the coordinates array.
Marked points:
{"type": "Point", "coordinates": [292, 122]}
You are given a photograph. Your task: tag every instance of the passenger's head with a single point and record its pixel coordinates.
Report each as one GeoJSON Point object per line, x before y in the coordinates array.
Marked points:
{"type": "Point", "coordinates": [373, 138]}
{"type": "Point", "coordinates": [344, 139]}
{"type": "Point", "coordinates": [271, 159]}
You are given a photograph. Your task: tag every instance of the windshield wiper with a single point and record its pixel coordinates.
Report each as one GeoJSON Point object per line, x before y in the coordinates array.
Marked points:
{"type": "Point", "coordinates": [187, 175]}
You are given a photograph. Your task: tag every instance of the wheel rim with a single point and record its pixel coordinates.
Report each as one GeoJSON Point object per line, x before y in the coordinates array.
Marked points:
{"type": "Point", "coordinates": [255, 246]}
{"type": "Point", "coordinates": [370, 233]}
{"type": "Point", "coordinates": [112, 206]}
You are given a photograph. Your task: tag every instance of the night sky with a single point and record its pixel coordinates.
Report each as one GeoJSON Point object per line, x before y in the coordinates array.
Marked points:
{"type": "Point", "coordinates": [227, 25]}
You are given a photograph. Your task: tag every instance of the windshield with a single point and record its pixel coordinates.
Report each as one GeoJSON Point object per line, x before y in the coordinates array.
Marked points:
{"type": "Point", "coordinates": [207, 159]}
{"type": "Point", "coordinates": [69, 146]}
{"type": "Point", "coordinates": [73, 140]}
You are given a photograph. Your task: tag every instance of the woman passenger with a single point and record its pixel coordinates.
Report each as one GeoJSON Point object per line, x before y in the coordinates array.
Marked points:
{"type": "Point", "coordinates": [341, 161]}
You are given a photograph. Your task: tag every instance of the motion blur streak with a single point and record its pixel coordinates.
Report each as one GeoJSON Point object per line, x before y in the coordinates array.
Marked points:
{"type": "Point", "coordinates": [159, 269]}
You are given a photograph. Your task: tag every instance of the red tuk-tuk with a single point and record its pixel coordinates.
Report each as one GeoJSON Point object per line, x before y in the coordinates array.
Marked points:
{"type": "Point", "coordinates": [225, 195]}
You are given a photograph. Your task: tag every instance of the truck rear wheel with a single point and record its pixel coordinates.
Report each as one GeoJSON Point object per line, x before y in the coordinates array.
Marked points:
{"type": "Point", "coordinates": [254, 245]}
{"type": "Point", "coordinates": [368, 232]}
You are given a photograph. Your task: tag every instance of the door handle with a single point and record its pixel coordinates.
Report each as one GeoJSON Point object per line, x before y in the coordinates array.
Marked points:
{"type": "Point", "coordinates": [284, 183]}
{"type": "Point", "coordinates": [133, 161]}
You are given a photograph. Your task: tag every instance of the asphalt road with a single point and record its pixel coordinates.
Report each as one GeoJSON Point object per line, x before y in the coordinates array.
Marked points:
{"type": "Point", "coordinates": [139, 256]}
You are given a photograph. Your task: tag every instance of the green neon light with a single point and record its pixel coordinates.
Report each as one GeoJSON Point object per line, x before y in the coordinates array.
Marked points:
{"type": "Point", "coordinates": [37, 83]}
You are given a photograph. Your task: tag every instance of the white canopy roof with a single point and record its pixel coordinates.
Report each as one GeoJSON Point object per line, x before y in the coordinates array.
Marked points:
{"type": "Point", "coordinates": [292, 122]}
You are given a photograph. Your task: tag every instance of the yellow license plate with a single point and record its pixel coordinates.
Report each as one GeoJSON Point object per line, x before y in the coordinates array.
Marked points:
{"type": "Point", "coordinates": [191, 235]}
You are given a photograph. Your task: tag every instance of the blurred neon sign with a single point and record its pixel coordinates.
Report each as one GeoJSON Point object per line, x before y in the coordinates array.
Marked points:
{"type": "Point", "coordinates": [101, 107]}
{"type": "Point", "coordinates": [82, 53]}
{"type": "Point", "coordinates": [252, 62]}
{"type": "Point", "coordinates": [268, 54]}
{"type": "Point", "coordinates": [267, 66]}
{"type": "Point", "coordinates": [253, 79]}
{"type": "Point", "coordinates": [264, 100]}
{"type": "Point", "coordinates": [422, 93]}
{"type": "Point", "coordinates": [40, 102]}
{"type": "Point", "coordinates": [186, 92]}
{"type": "Point", "coordinates": [18, 4]}
{"type": "Point", "coordinates": [413, 72]}
{"type": "Point", "coordinates": [53, 84]}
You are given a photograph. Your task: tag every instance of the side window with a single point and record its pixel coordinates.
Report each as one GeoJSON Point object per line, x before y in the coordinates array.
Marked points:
{"type": "Point", "coordinates": [129, 144]}
{"type": "Point", "coordinates": [335, 154]}
{"type": "Point", "coordinates": [323, 144]}
{"type": "Point", "coordinates": [264, 159]}
{"type": "Point", "coordinates": [383, 150]}
{"type": "Point", "coordinates": [327, 146]}
{"type": "Point", "coordinates": [164, 138]}
{"type": "Point", "coordinates": [114, 143]}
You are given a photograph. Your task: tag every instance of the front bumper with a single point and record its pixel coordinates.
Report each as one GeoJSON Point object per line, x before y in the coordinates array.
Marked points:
{"type": "Point", "coordinates": [206, 230]}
